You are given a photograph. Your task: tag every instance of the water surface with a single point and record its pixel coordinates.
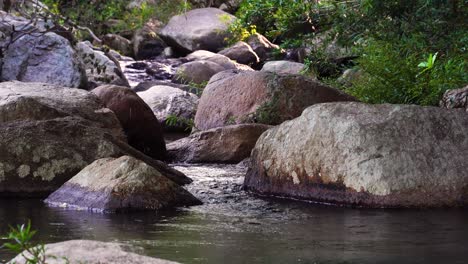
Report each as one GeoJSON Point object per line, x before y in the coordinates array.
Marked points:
{"type": "Point", "coordinates": [235, 227]}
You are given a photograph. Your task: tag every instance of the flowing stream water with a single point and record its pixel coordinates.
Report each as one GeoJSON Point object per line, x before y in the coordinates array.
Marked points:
{"type": "Point", "coordinates": [236, 227]}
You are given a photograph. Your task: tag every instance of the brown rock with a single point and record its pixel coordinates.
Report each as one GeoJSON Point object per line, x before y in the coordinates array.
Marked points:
{"type": "Point", "coordinates": [198, 72]}
{"type": "Point", "coordinates": [230, 144]}
{"type": "Point", "coordinates": [137, 119]}
{"type": "Point", "coordinates": [262, 46]}
{"type": "Point", "coordinates": [118, 43]}
{"type": "Point", "coordinates": [242, 53]}
{"type": "Point", "coordinates": [262, 97]}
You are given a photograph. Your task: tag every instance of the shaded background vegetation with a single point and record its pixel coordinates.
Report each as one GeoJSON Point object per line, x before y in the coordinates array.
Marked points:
{"type": "Point", "coordinates": [404, 51]}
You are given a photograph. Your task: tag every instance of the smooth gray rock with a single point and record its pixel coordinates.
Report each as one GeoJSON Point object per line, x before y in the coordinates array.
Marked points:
{"type": "Point", "coordinates": [166, 101]}
{"type": "Point", "coordinates": [198, 29]}
{"type": "Point", "coordinates": [366, 155]}
{"type": "Point", "coordinates": [283, 67]}
{"type": "Point", "coordinates": [90, 252]}
{"type": "Point", "coordinates": [100, 68]}
{"type": "Point", "coordinates": [47, 58]}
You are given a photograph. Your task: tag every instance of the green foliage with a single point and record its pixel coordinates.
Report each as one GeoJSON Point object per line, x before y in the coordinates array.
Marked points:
{"type": "Point", "coordinates": [97, 15]}
{"type": "Point", "coordinates": [410, 51]}
{"type": "Point", "coordinates": [391, 77]}
{"type": "Point", "coordinates": [238, 32]}
{"type": "Point", "coordinates": [268, 112]}
{"type": "Point", "coordinates": [173, 121]}
{"type": "Point", "coordinates": [278, 18]}
{"type": "Point", "coordinates": [197, 88]}
{"type": "Point", "coordinates": [21, 237]}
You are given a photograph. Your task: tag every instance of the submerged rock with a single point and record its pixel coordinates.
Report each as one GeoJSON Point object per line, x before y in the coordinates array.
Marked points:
{"type": "Point", "coordinates": [48, 134]}
{"type": "Point", "coordinates": [90, 252]}
{"type": "Point", "coordinates": [366, 155]}
{"type": "Point", "coordinates": [198, 29]}
{"type": "Point", "coordinates": [169, 102]}
{"type": "Point", "coordinates": [260, 97]}
{"type": "Point", "coordinates": [137, 119]}
{"type": "Point", "coordinates": [122, 184]}
{"type": "Point", "coordinates": [230, 144]}
{"type": "Point", "coordinates": [43, 57]}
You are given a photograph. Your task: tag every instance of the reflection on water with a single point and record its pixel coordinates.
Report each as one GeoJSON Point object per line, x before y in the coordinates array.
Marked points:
{"type": "Point", "coordinates": [234, 227]}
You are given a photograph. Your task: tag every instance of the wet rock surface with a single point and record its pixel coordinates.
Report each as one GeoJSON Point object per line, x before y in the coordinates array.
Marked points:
{"type": "Point", "coordinates": [158, 69]}
{"type": "Point", "coordinates": [122, 184]}
{"type": "Point", "coordinates": [366, 155]}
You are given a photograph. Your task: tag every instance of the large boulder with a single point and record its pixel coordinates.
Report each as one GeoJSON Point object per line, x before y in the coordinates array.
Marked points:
{"type": "Point", "coordinates": [198, 29]}
{"type": "Point", "coordinates": [43, 57]}
{"type": "Point", "coordinates": [366, 155]}
{"type": "Point", "coordinates": [230, 144]}
{"type": "Point", "coordinates": [198, 72]}
{"type": "Point", "coordinates": [137, 119]}
{"type": "Point", "coordinates": [120, 184]}
{"type": "Point", "coordinates": [242, 53]}
{"type": "Point", "coordinates": [284, 67]}
{"type": "Point", "coordinates": [89, 252]}
{"type": "Point", "coordinates": [100, 68]}
{"type": "Point", "coordinates": [169, 103]}
{"type": "Point", "coordinates": [457, 98]}
{"type": "Point", "coordinates": [262, 97]}
{"type": "Point", "coordinates": [146, 42]}
{"type": "Point", "coordinates": [48, 134]}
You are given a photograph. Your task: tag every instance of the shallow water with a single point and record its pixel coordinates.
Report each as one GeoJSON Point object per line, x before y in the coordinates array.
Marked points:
{"type": "Point", "coordinates": [235, 227]}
